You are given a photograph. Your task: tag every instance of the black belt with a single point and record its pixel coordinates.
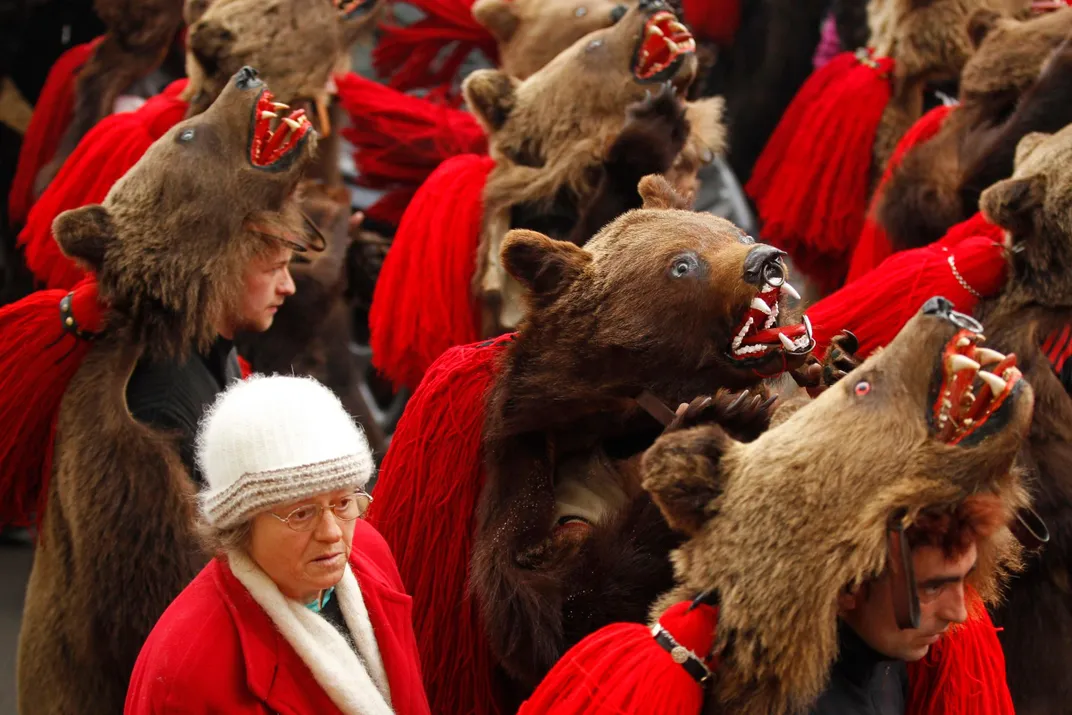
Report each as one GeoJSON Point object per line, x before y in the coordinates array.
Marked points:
{"type": "Point", "coordinates": [681, 655]}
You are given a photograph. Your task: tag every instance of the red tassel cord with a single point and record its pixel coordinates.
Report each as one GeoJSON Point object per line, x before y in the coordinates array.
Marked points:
{"type": "Point", "coordinates": [413, 57]}
{"type": "Point", "coordinates": [423, 302]}
{"type": "Point", "coordinates": [622, 669]}
{"type": "Point", "coordinates": [964, 672]}
{"type": "Point", "coordinates": [45, 337]}
{"type": "Point", "coordinates": [874, 247]}
{"type": "Point", "coordinates": [426, 496]}
{"type": "Point", "coordinates": [811, 182]}
{"type": "Point", "coordinates": [878, 304]}
{"type": "Point", "coordinates": [51, 116]}
{"type": "Point", "coordinates": [105, 153]}
{"type": "Point", "coordinates": [400, 140]}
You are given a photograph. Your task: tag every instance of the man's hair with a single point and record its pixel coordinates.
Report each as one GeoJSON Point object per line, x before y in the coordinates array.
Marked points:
{"type": "Point", "coordinates": [955, 529]}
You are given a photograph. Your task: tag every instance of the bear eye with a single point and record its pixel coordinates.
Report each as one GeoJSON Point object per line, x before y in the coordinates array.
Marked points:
{"type": "Point", "coordinates": [594, 45]}
{"type": "Point", "coordinates": [862, 388]}
{"type": "Point", "coordinates": [186, 135]}
{"type": "Point", "coordinates": [580, 12]}
{"type": "Point", "coordinates": [684, 266]}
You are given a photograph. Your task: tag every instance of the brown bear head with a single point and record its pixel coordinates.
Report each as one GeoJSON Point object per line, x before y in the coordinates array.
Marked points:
{"type": "Point", "coordinates": [662, 299]}
{"type": "Point", "coordinates": [780, 526]}
{"type": "Point", "coordinates": [171, 241]}
{"type": "Point", "coordinates": [294, 44]}
{"type": "Point", "coordinates": [1035, 209]}
{"type": "Point", "coordinates": [530, 33]}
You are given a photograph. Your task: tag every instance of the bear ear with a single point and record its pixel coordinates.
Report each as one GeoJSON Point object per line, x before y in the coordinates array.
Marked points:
{"type": "Point", "coordinates": [981, 23]}
{"type": "Point", "coordinates": [211, 44]}
{"type": "Point", "coordinates": [682, 472]}
{"type": "Point", "coordinates": [1012, 203]}
{"type": "Point", "coordinates": [84, 234]}
{"type": "Point", "coordinates": [491, 95]}
{"type": "Point", "coordinates": [658, 193]}
{"type": "Point", "coordinates": [545, 267]}
{"type": "Point", "coordinates": [498, 16]}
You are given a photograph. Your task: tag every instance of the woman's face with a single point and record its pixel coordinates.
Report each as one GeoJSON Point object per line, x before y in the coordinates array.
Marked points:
{"type": "Point", "coordinates": [303, 563]}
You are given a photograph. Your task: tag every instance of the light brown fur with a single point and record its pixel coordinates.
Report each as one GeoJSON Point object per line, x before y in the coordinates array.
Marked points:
{"type": "Point", "coordinates": [169, 246]}
{"type": "Point", "coordinates": [780, 526]}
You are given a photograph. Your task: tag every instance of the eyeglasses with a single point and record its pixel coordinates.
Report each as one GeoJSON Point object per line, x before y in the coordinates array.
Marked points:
{"type": "Point", "coordinates": [348, 508]}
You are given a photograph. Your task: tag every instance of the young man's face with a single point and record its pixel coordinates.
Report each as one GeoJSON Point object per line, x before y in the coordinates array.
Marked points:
{"type": "Point", "coordinates": [266, 283]}
{"type": "Point", "coordinates": [940, 583]}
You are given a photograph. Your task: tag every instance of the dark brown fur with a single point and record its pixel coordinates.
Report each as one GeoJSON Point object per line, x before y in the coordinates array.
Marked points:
{"type": "Point", "coordinates": [1035, 205]}
{"type": "Point", "coordinates": [169, 247]}
{"type": "Point", "coordinates": [562, 411]}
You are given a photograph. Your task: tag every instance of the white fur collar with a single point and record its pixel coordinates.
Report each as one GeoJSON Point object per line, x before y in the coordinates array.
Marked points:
{"type": "Point", "coordinates": [356, 688]}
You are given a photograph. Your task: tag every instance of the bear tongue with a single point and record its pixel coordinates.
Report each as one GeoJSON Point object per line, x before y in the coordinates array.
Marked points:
{"type": "Point", "coordinates": [770, 335]}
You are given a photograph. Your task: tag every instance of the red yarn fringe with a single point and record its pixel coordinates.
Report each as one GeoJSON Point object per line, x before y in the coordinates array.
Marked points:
{"type": "Point", "coordinates": [811, 182]}
{"type": "Point", "coordinates": [423, 302]}
{"type": "Point", "coordinates": [620, 669]}
{"type": "Point", "coordinates": [105, 153]}
{"type": "Point", "coordinates": [874, 245]}
{"type": "Point", "coordinates": [964, 672]}
{"type": "Point", "coordinates": [399, 140]}
{"type": "Point", "coordinates": [878, 304]}
{"type": "Point", "coordinates": [37, 361]}
{"type": "Point", "coordinates": [51, 117]}
{"type": "Point", "coordinates": [426, 497]}
{"type": "Point", "coordinates": [412, 57]}
{"type": "Point", "coordinates": [715, 21]}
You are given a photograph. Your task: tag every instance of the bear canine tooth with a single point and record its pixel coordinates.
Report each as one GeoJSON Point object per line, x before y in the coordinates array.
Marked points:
{"type": "Point", "coordinates": [790, 291]}
{"type": "Point", "coordinates": [807, 327]}
{"type": "Point", "coordinates": [997, 385]}
{"type": "Point", "coordinates": [268, 115]}
{"type": "Point", "coordinates": [280, 105]}
{"type": "Point", "coordinates": [292, 123]}
{"type": "Point", "coordinates": [677, 26]}
{"type": "Point", "coordinates": [758, 304]}
{"type": "Point", "coordinates": [986, 356]}
{"type": "Point", "coordinates": [963, 343]}
{"type": "Point", "coordinates": [959, 362]}
{"type": "Point", "coordinates": [654, 30]}
{"type": "Point", "coordinates": [786, 342]}
{"type": "Point", "coordinates": [674, 47]}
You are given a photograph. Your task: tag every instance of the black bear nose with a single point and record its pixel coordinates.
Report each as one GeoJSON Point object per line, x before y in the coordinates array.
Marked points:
{"type": "Point", "coordinates": [618, 13]}
{"type": "Point", "coordinates": [763, 265]}
{"type": "Point", "coordinates": [246, 78]}
{"type": "Point", "coordinates": [943, 308]}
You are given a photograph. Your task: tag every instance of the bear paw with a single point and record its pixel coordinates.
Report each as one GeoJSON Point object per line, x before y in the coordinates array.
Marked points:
{"type": "Point", "coordinates": [655, 132]}
{"type": "Point", "coordinates": [839, 361]}
{"type": "Point", "coordinates": [743, 415]}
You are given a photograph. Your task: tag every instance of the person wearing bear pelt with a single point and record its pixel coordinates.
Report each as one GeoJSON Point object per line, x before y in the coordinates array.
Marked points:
{"type": "Point", "coordinates": [171, 251]}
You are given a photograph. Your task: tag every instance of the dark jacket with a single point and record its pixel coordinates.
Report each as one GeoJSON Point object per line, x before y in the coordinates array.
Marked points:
{"type": "Point", "coordinates": [862, 681]}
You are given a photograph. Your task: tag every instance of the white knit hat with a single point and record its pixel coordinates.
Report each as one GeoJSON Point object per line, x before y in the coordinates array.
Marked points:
{"type": "Point", "coordinates": [272, 440]}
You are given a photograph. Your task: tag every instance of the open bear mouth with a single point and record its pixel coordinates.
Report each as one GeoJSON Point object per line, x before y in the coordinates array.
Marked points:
{"type": "Point", "coordinates": [975, 384]}
{"type": "Point", "coordinates": [276, 138]}
{"type": "Point", "coordinates": [663, 46]}
{"type": "Point", "coordinates": [349, 9]}
{"type": "Point", "coordinates": [759, 336]}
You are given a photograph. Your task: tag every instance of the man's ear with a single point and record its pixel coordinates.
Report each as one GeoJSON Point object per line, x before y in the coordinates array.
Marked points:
{"type": "Point", "coordinates": [498, 16]}
{"type": "Point", "coordinates": [682, 472]}
{"type": "Point", "coordinates": [1012, 203]}
{"type": "Point", "coordinates": [545, 267]}
{"type": "Point", "coordinates": [658, 193]}
{"type": "Point", "coordinates": [491, 95]}
{"type": "Point", "coordinates": [84, 234]}
{"type": "Point", "coordinates": [211, 43]}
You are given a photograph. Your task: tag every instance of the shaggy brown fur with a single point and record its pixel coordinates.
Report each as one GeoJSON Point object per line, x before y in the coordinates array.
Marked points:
{"type": "Point", "coordinates": [1035, 206]}
{"type": "Point", "coordinates": [169, 247]}
{"type": "Point", "coordinates": [939, 182]}
{"type": "Point", "coordinates": [550, 136]}
{"type": "Point", "coordinates": [780, 526]}
{"type": "Point", "coordinates": [563, 431]}
{"type": "Point", "coordinates": [140, 34]}
{"type": "Point", "coordinates": [530, 33]}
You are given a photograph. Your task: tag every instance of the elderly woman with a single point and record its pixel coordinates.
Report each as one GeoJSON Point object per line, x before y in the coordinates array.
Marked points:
{"type": "Point", "coordinates": [302, 609]}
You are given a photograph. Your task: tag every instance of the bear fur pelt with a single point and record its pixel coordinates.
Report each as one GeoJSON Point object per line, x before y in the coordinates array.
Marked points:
{"type": "Point", "coordinates": [168, 248]}
{"type": "Point", "coordinates": [1033, 207]}
{"type": "Point", "coordinates": [563, 540]}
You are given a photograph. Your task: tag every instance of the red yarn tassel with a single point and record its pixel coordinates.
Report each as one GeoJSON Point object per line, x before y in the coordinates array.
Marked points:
{"type": "Point", "coordinates": [621, 670]}
{"type": "Point", "coordinates": [51, 116]}
{"type": "Point", "coordinates": [811, 182]}
{"type": "Point", "coordinates": [399, 140]}
{"type": "Point", "coordinates": [426, 497]}
{"type": "Point", "coordinates": [412, 57]}
{"type": "Point", "coordinates": [105, 153]}
{"type": "Point", "coordinates": [874, 245]}
{"type": "Point", "coordinates": [37, 361]}
{"type": "Point", "coordinates": [964, 672]}
{"type": "Point", "coordinates": [714, 21]}
{"type": "Point", "coordinates": [878, 304]}
{"type": "Point", "coordinates": [423, 301]}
